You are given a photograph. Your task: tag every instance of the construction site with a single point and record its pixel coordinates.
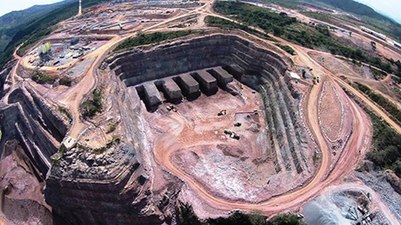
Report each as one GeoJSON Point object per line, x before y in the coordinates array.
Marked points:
{"type": "Point", "coordinates": [220, 120]}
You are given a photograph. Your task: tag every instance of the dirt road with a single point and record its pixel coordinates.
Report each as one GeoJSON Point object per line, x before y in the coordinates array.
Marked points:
{"type": "Point", "coordinates": [13, 75]}
{"type": "Point", "coordinates": [79, 91]}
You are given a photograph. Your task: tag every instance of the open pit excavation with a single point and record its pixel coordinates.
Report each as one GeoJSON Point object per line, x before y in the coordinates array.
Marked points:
{"type": "Point", "coordinates": [132, 113]}
{"type": "Point", "coordinates": [248, 126]}
{"type": "Point", "coordinates": [217, 116]}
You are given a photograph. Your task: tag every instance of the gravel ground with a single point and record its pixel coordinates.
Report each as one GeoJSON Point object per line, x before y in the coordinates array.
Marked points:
{"type": "Point", "coordinates": [377, 181]}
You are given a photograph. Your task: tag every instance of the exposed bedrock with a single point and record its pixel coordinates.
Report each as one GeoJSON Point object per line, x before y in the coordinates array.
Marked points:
{"type": "Point", "coordinates": [121, 185]}
{"type": "Point", "coordinates": [259, 68]}
{"type": "Point", "coordinates": [3, 76]}
{"type": "Point", "coordinates": [35, 124]}
{"type": "Point", "coordinates": [100, 188]}
{"type": "Point", "coordinates": [180, 57]}
{"type": "Point", "coordinates": [112, 185]}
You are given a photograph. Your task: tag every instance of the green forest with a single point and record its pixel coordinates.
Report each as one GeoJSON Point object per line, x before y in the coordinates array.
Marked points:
{"type": "Point", "coordinates": [386, 146]}
{"type": "Point", "coordinates": [382, 101]}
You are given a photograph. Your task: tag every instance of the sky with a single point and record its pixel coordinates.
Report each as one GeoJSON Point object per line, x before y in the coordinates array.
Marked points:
{"type": "Point", "coordinates": [390, 8]}
{"type": "Point", "coordinates": [7, 6]}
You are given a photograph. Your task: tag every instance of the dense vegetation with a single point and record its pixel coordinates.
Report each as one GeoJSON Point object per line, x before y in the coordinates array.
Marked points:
{"type": "Point", "coordinates": [370, 17]}
{"type": "Point", "coordinates": [66, 81]}
{"type": "Point", "coordinates": [93, 105]}
{"type": "Point", "coordinates": [289, 28]}
{"type": "Point", "coordinates": [187, 217]}
{"type": "Point", "coordinates": [10, 22]}
{"type": "Point", "coordinates": [287, 49]}
{"type": "Point", "coordinates": [145, 39]}
{"type": "Point", "coordinates": [213, 21]}
{"type": "Point", "coordinates": [42, 78]}
{"type": "Point", "coordinates": [386, 141]}
{"type": "Point", "coordinates": [387, 145]}
{"type": "Point", "coordinates": [383, 102]}
{"type": "Point", "coordinates": [30, 33]}
{"type": "Point", "coordinates": [398, 70]}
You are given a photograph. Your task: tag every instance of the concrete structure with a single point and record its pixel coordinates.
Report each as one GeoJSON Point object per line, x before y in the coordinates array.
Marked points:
{"type": "Point", "coordinates": [152, 95]}
{"type": "Point", "coordinates": [171, 90]}
{"type": "Point", "coordinates": [207, 82]}
{"type": "Point", "coordinates": [222, 76]}
{"type": "Point", "coordinates": [80, 8]}
{"type": "Point", "coordinates": [295, 76]}
{"type": "Point", "coordinates": [189, 85]}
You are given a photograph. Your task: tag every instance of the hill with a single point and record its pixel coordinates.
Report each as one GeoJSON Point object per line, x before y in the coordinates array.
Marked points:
{"type": "Point", "coordinates": [372, 18]}
{"type": "Point", "coordinates": [31, 32]}
{"type": "Point", "coordinates": [9, 22]}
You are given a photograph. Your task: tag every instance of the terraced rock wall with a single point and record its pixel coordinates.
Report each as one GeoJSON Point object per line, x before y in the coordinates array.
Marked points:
{"type": "Point", "coordinates": [35, 124]}
{"type": "Point", "coordinates": [180, 57]}
{"type": "Point", "coordinates": [115, 186]}
{"type": "Point", "coordinates": [259, 68]}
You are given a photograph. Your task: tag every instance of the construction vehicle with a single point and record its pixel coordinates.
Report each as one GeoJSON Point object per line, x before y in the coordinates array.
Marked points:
{"type": "Point", "coordinates": [232, 134]}
{"type": "Point", "coordinates": [307, 74]}
{"type": "Point", "coordinates": [316, 79]}
{"type": "Point", "coordinates": [171, 108]}
{"type": "Point", "coordinates": [222, 112]}
{"type": "Point", "coordinates": [228, 132]}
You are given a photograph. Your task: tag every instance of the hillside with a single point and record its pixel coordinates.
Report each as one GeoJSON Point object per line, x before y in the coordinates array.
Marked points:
{"type": "Point", "coordinates": [10, 22]}
{"type": "Point", "coordinates": [35, 30]}
{"type": "Point", "coordinates": [373, 19]}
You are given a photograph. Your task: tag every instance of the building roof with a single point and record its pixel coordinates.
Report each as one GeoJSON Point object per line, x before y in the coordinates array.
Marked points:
{"type": "Point", "coordinates": [295, 76]}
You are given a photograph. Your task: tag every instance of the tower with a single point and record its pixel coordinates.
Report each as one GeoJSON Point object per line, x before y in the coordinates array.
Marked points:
{"type": "Point", "coordinates": [80, 8]}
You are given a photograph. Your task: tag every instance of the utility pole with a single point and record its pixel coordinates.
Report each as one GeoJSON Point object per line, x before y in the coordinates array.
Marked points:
{"type": "Point", "coordinates": [80, 8]}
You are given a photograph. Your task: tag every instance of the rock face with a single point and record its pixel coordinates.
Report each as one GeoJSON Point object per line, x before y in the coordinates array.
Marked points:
{"type": "Point", "coordinates": [100, 188]}
{"type": "Point", "coordinates": [35, 124]}
{"type": "Point", "coordinates": [152, 94]}
{"type": "Point", "coordinates": [222, 76]}
{"type": "Point", "coordinates": [207, 82]}
{"type": "Point", "coordinates": [172, 90]}
{"type": "Point", "coordinates": [189, 85]}
{"type": "Point", "coordinates": [217, 50]}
